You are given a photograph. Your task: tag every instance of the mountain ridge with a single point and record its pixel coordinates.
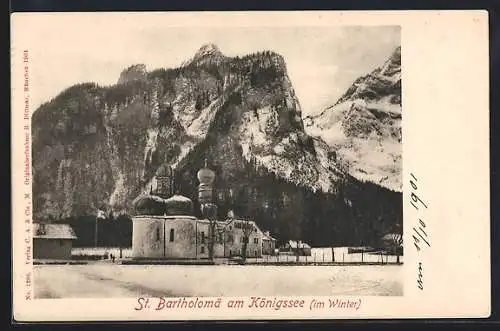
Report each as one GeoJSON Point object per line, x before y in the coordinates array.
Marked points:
{"type": "Point", "coordinates": [100, 147]}
{"type": "Point", "coordinates": [364, 125]}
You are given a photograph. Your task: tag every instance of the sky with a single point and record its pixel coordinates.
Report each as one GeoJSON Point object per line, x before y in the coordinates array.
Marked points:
{"type": "Point", "coordinates": [322, 61]}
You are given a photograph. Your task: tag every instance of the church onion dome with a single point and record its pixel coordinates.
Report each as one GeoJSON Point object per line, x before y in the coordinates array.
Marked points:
{"type": "Point", "coordinates": [206, 176]}
{"type": "Point", "coordinates": [147, 204]}
{"type": "Point", "coordinates": [178, 205]}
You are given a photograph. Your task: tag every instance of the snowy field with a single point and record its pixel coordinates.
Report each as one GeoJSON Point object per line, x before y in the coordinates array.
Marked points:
{"type": "Point", "coordinates": [105, 280]}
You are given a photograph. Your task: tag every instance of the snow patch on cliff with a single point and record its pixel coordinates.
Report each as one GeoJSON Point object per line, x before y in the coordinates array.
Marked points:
{"type": "Point", "coordinates": [198, 126]}
{"type": "Point", "coordinates": [185, 149]}
{"type": "Point", "coordinates": [326, 170]}
{"type": "Point", "coordinates": [385, 105]}
{"type": "Point", "coordinates": [285, 157]}
{"type": "Point", "coordinates": [120, 190]}
{"type": "Point", "coordinates": [373, 161]}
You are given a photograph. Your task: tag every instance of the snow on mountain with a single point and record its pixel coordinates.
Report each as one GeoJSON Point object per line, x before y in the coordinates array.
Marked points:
{"type": "Point", "coordinates": [364, 127]}
{"type": "Point", "coordinates": [164, 116]}
{"type": "Point", "coordinates": [208, 50]}
{"type": "Point", "coordinates": [289, 157]}
{"type": "Point", "coordinates": [100, 147]}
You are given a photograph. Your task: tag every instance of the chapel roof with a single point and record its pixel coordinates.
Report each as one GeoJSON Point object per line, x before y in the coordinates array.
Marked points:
{"type": "Point", "coordinates": [53, 231]}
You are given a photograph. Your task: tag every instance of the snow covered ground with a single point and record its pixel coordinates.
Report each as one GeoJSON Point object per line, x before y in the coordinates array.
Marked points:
{"type": "Point", "coordinates": [104, 280]}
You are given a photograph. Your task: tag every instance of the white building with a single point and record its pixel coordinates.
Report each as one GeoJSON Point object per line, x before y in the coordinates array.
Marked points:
{"type": "Point", "coordinates": [178, 235]}
{"type": "Point", "coordinates": [167, 229]}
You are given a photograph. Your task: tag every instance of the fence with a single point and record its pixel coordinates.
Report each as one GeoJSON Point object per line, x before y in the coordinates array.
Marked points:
{"type": "Point", "coordinates": [324, 255]}
{"type": "Point", "coordinates": [318, 255]}
{"type": "Point", "coordinates": [100, 252]}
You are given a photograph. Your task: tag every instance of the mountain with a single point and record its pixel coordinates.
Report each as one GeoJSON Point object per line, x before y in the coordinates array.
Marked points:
{"type": "Point", "coordinates": [132, 73]}
{"type": "Point", "coordinates": [364, 126]}
{"type": "Point", "coordinates": [208, 54]}
{"type": "Point", "coordinates": [100, 147]}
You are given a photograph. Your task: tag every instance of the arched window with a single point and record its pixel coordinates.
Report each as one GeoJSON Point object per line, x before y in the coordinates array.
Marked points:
{"type": "Point", "coordinates": [171, 235]}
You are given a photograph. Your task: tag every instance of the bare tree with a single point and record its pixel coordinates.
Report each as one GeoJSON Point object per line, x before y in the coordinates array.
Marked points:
{"type": "Point", "coordinates": [209, 211]}
{"type": "Point", "coordinates": [247, 228]}
{"type": "Point", "coordinates": [222, 234]}
{"type": "Point", "coordinates": [396, 240]}
{"type": "Point", "coordinates": [211, 238]}
{"type": "Point", "coordinates": [297, 250]}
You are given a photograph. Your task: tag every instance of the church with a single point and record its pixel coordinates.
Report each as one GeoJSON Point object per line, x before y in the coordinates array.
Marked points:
{"type": "Point", "coordinates": [165, 228]}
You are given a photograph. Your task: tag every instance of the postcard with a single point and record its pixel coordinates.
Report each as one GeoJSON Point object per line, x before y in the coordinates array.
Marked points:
{"type": "Point", "coordinates": [250, 165]}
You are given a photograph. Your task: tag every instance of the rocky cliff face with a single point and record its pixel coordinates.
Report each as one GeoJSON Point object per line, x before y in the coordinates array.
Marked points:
{"type": "Point", "coordinates": [96, 147]}
{"type": "Point", "coordinates": [240, 109]}
{"type": "Point", "coordinates": [133, 73]}
{"type": "Point", "coordinates": [364, 126]}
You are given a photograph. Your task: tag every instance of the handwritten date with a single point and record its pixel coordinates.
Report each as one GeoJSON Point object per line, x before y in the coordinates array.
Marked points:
{"type": "Point", "coordinates": [419, 231]}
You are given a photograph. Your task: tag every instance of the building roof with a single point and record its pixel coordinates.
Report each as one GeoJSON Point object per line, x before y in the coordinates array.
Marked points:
{"type": "Point", "coordinates": [391, 236]}
{"type": "Point", "coordinates": [267, 236]}
{"type": "Point", "coordinates": [149, 204]}
{"type": "Point", "coordinates": [293, 244]}
{"type": "Point", "coordinates": [250, 223]}
{"type": "Point", "coordinates": [178, 205]}
{"type": "Point", "coordinates": [178, 198]}
{"type": "Point", "coordinates": [53, 231]}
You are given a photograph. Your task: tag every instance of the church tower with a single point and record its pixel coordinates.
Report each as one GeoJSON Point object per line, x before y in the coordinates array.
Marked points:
{"type": "Point", "coordinates": [206, 178]}
{"type": "Point", "coordinates": [164, 182]}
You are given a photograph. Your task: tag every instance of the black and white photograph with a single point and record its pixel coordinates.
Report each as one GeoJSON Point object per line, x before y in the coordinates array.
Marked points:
{"type": "Point", "coordinates": [220, 162]}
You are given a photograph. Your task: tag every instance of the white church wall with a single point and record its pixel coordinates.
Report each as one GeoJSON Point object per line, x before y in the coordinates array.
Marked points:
{"type": "Point", "coordinates": [147, 237]}
{"type": "Point", "coordinates": [183, 243]}
{"type": "Point", "coordinates": [185, 237]}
